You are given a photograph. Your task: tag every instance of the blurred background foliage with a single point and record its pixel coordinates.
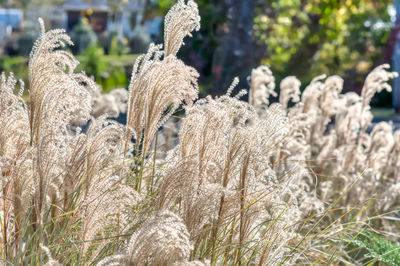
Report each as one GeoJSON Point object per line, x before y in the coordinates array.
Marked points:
{"type": "Point", "coordinates": [305, 38]}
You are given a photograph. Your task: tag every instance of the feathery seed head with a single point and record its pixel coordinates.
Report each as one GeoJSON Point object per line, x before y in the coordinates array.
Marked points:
{"type": "Point", "coordinates": [157, 86]}
{"type": "Point", "coordinates": [56, 93]}
{"type": "Point", "coordinates": [290, 90]}
{"type": "Point", "coordinates": [162, 239]}
{"type": "Point", "coordinates": [180, 21]}
{"type": "Point", "coordinates": [375, 82]}
{"type": "Point", "coordinates": [262, 85]}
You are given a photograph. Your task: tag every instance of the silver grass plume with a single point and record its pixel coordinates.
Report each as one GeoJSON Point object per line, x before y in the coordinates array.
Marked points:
{"type": "Point", "coordinates": [262, 85]}
{"type": "Point", "coordinates": [56, 92]}
{"type": "Point", "coordinates": [375, 82]}
{"type": "Point", "coordinates": [16, 180]}
{"type": "Point", "coordinates": [95, 162]}
{"type": "Point", "coordinates": [180, 21]}
{"type": "Point", "coordinates": [202, 143]}
{"type": "Point", "coordinates": [50, 260]}
{"type": "Point", "coordinates": [14, 122]}
{"type": "Point", "coordinates": [382, 141]}
{"type": "Point", "coordinates": [290, 90]}
{"type": "Point", "coordinates": [394, 157]}
{"type": "Point", "coordinates": [111, 104]}
{"type": "Point", "coordinates": [310, 104]}
{"type": "Point", "coordinates": [310, 96]}
{"type": "Point", "coordinates": [160, 82]}
{"type": "Point", "coordinates": [333, 86]}
{"type": "Point", "coordinates": [89, 159]}
{"type": "Point", "coordinates": [162, 239]}
{"type": "Point", "coordinates": [347, 118]}
{"type": "Point", "coordinates": [14, 118]}
{"type": "Point", "coordinates": [329, 101]}
{"type": "Point", "coordinates": [104, 148]}
{"type": "Point", "coordinates": [58, 97]}
{"type": "Point", "coordinates": [157, 85]}
{"type": "Point", "coordinates": [107, 205]}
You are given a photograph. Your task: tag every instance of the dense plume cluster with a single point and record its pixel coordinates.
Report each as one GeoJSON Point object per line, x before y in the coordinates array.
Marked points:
{"type": "Point", "coordinates": [236, 183]}
{"type": "Point", "coordinates": [50, 170]}
{"type": "Point", "coordinates": [336, 144]}
{"type": "Point", "coordinates": [329, 137]}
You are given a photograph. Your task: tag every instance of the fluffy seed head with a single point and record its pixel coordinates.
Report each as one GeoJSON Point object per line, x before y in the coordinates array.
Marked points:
{"type": "Point", "coordinates": [162, 239]}
{"type": "Point", "coordinates": [262, 85]}
{"type": "Point", "coordinates": [180, 21]}
{"type": "Point", "coordinates": [290, 90]}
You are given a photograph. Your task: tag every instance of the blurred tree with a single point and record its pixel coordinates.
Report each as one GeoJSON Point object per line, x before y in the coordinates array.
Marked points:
{"type": "Point", "coordinates": [116, 8]}
{"type": "Point", "coordinates": [107, 70]}
{"type": "Point", "coordinates": [83, 36]}
{"type": "Point", "coordinates": [26, 40]}
{"type": "Point", "coordinates": [92, 63]}
{"type": "Point", "coordinates": [307, 38]}
{"type": "Point", "coordinates": [235, 54]}
{"type": "Point", "coordinates": [25, 3]}
{"type": "Point", "coordinates": [156, 8]}
{"type": "Point", "coordinates": [139, 40]}
{"type": "Point", "coordinates": [118, 46]}
{"type": "Point", "coordinates": [208, 58]}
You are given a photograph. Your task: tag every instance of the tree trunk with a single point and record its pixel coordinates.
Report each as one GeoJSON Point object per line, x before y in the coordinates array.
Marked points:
{"type": "Point", "coordinates": [235, 55]}
{"type": "Point", "coordinates": [396, 59]}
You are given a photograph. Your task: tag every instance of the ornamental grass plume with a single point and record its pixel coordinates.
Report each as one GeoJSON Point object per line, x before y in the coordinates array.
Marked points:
{"type": "Point", "coordinates": [290, 91]}
{"type": "Point", "coordinates": [375, 82]}
{"type": "Point", "coordinates": [333, 86]}
{"type": "Point", "coordinates": [381, 143]}
{"type": "Point", "coordinates": [311, 95]}
{"type": "Point", "coordinates": [104, 194]}
{"type": "Point", "coordinates": [394, 158]}
{"type": "Point", "coordinates": [162, 240]}
{"type": "Point", "coordinates": [262, 85]}
{"type": "Point", "coordinates": [111, 104]}
{"type": "Point", "coordinates": [17, 182]}
{"type": "Point", "coordinates": [161, 83]}
{"type": "Point", "coordinates": [157, 86]}
{"type": "Point", "coordinates": [55, 91]}
{"type": "Point", "coordinates": [179, 22]}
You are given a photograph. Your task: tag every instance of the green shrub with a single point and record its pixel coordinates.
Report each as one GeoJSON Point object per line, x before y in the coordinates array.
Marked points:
{"type": "Point", "coordinates": [379, 248]}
